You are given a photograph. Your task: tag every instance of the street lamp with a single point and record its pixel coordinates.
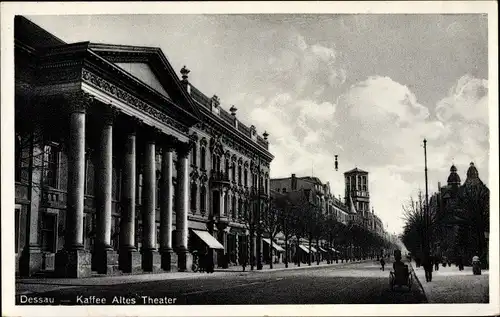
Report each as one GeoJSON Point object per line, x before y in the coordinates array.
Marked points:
{"type": "Point", "coordinates": [426, 211]}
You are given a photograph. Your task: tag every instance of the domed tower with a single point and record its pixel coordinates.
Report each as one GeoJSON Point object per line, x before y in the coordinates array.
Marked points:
{"type": "Point", "coordinates": [453, 179]}
{"type": "Point", "coordinates": [472, 175]}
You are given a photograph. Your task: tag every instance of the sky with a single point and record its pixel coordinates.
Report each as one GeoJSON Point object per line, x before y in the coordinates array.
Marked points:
{"type": "Point", "coordinates": [368, 88]}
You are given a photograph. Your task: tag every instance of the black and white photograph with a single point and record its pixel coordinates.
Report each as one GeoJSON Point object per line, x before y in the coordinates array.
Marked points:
{"type": "Point", "coordinates": [175, 159]}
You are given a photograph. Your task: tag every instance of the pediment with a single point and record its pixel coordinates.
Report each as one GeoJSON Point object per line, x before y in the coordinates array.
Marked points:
{"type": "Point", "coordinates": [150, 67]}
{"type": "Point", "coordinates": [144, 73]}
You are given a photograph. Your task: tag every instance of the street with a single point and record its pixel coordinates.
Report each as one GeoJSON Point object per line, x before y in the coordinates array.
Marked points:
{"type": "Point", "coordinates": [350, 283]}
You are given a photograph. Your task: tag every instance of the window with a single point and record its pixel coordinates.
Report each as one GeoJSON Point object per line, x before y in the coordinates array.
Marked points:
{"type": "Point", "coordinates": [48, 232]}
{"type": "Point", "coordinates": [233, 172]}
{"type": "Point", "coordinates": [283, 190]}
{"type": "Point", "coordinates": [18, 160]}
{"type": "Point", "coordinates": [203, 198]}
{"type": "Point", "coordinates": [239, 175]}
{"type": "Point", "coordinates": [193, 196]}
{"type": "Point", "coordinates": [214, 162]}
{"type": "Point", "coordinates": [233, 207]}
{"type": "Point", "coordinates": [240, 208]}
{"type": "Point", "coordinates": [17, 229]}
{"type": "Point", "coordinates": [203, 157]}
{"type": "Point", "coordinates": [226, 165]}
{"type": "Point", "coordinates": [265, 186]}
{"type": "Point", "coordinates": [226, 207]}
{"type": "Point", "coordinates": [51, 158]}
{"type": "Point", "coordinates": [245, 177]}
{"type": "Point", "coordinates": [193, 155]}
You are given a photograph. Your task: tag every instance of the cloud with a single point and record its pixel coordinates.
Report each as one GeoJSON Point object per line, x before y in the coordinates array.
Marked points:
{"type": "Point", "coordinates": [466, 101]}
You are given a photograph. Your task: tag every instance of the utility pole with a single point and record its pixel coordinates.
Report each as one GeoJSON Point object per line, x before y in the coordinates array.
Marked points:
{"type": "Point", "coordinates": [426, 214]}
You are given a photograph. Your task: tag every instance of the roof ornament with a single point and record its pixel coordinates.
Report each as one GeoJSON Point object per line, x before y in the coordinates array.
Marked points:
{"type": "Point", "coordinates": [265, 135]}
{"type": "Point", "coordinates": [184, 72]}
{"type": "Point", "coordinates": [215, 101]}
{"type": "Point", "coordinates": [233, 110]}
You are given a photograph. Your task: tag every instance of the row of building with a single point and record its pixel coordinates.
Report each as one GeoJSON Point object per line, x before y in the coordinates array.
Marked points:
{"type": "Point", "coordinates": [122, 166]}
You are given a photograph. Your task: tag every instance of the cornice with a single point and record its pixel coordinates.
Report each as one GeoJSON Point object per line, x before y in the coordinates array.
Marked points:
{"type": "Point", "coordinates": [111, 89]}
{"type": "Point", "coordinates": [230, 133]}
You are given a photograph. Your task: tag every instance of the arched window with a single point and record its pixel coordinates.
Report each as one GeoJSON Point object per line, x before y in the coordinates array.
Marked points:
{"type": "Point", "coordinates": [245, 176]}
{"type": "Point", "coordinates": [194, 190]}
{"type": "Point", "coordinates": [214, 162]}
{"type": "Point", "coordinates": [203, 199]}
{"type": "Point", "coordinates": [233, 172]}
{"type": "Point", "coordinates": [203, 157]}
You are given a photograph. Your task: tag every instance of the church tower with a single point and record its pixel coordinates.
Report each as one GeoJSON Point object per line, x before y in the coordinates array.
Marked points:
{"type": "Point", "coordinates": [356, 187]}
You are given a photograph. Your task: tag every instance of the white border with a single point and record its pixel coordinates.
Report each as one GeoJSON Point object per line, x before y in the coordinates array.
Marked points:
{"type": "Point", "coordinates": [8, 10]}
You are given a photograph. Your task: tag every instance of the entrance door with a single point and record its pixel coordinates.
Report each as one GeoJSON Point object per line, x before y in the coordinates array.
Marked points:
{"type": "Point", "coordinates": [49, 240]}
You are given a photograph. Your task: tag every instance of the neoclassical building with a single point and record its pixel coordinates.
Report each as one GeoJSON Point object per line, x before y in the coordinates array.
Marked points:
{"type": "Point", "coordinates": [122, 166]}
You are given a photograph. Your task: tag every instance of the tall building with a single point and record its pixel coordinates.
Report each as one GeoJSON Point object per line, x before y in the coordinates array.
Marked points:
{"type": "Point", "coordinates": [357, 191]}
{"type": "Point", "coordinates": [123, 166]}
{"type": "Point", "coordinates": [462, 216]}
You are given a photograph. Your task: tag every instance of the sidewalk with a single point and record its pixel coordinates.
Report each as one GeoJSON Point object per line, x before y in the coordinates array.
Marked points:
{"type": "Point", "coordinates": [33, 285]}
{"type": "Point", "coordinates": [449, 285]}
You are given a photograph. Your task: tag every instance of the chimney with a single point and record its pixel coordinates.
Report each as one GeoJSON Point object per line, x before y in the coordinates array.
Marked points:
{"type": "Point", "coordinates": [294, 182]}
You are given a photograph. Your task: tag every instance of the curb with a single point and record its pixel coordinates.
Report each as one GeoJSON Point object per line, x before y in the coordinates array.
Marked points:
{"type": "Point", "coordinates": [415, 277]}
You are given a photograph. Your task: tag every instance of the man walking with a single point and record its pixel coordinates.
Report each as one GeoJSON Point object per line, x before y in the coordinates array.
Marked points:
{"type": "Point", "coordinates": [382, 263]}
{"type": "Point", "coordinates": [427, 263]}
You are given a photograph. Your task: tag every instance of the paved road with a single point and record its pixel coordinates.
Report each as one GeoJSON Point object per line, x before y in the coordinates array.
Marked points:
{"type": "Point", "coordinates": [357, 283]}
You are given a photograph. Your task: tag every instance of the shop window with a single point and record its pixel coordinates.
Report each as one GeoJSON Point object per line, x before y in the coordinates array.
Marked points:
{"type": "Point", "coordinates": [48, 231]}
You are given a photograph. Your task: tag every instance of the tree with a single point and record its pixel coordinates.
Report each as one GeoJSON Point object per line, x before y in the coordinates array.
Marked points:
{"type": "Point", "coordinates": [271, 221]}
{"type": "Point", "coordinates": [248, 220]}
{"type": "Point", "coordinates": [286, 222]}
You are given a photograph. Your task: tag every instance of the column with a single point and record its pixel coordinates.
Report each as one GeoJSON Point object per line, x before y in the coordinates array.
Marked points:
{"type": "Point", "coordinates": [150, 257]}
{"type": "Point", "coordinates": [129, 258]}
{"type": "Point", "coordinates": [73, 260]}
{"type": "Point", "coordinates": [105, 259]}
{"type": "Point", "coordinates": [168, 258]}
{"type": "Point", "coordinates": [182, 197]}
{"type": "Point", "coordinates": [237, 247]}
{"type": "Point", "coordinates": [30, 260]}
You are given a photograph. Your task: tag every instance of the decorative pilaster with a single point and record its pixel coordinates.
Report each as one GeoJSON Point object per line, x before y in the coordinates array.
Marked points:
{"type": "Point", "coordinates": [182, 205]}
{"type": "Point", "coordinates": [73, 260]}
{"type": "Point", "coordinates": [129, 258]}
{"type": "Point", "coordinates": [168, 258]}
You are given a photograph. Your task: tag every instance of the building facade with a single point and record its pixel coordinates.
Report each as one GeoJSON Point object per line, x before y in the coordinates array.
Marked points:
{"type": "Point", "coordinates": [121, 165]}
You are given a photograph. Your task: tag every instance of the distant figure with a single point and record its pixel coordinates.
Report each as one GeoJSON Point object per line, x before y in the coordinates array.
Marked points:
{"type": "Point", "coordinates": [436, 263]}
{"type": "Point", "coordinates": [427, 263]}
{"type": "Point", "coordinates": [460, 263]}
{"type": "Point", "coordinates": [398, 264]}
{"type": "Point", "coordinates": [382, 263]}
{"type": "Point", "coordinates": [244, 262]}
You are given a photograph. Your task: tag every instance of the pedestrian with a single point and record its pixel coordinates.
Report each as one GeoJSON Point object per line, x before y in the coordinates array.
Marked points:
{"type": "Point", "coordinates": [427, 263]}
{"type": "Point", "coordinates": [460, 263]}
{"type": "Point", "coordinates": [244, 262]}
{"type": "Point", "coordinates": [382, 263]}
{"type": "Point", "coordinates": [209, 262]}
{"type": "Point", "coordinates": [436, 263]}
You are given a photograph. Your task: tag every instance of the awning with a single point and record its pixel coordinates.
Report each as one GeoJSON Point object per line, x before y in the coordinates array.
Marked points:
{"type": "Point", "coordinates": [335, 250]}
{"type": "Point", "coordinates": [211, 242]}
{"type": "Point", "coordinates": [306, 250]}
{"type": "Point", "coordinates": [313, 249]}
{"type": "Point", "coordinates": [275, 246]}
{"type": "Point", "coordinates": [321, 249]}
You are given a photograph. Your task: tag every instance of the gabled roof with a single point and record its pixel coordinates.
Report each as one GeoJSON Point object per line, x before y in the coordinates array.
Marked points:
{"type": "Point", "coordinates": [157, 61]}
{"type": "Point", "coordinates": [355, 170]}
